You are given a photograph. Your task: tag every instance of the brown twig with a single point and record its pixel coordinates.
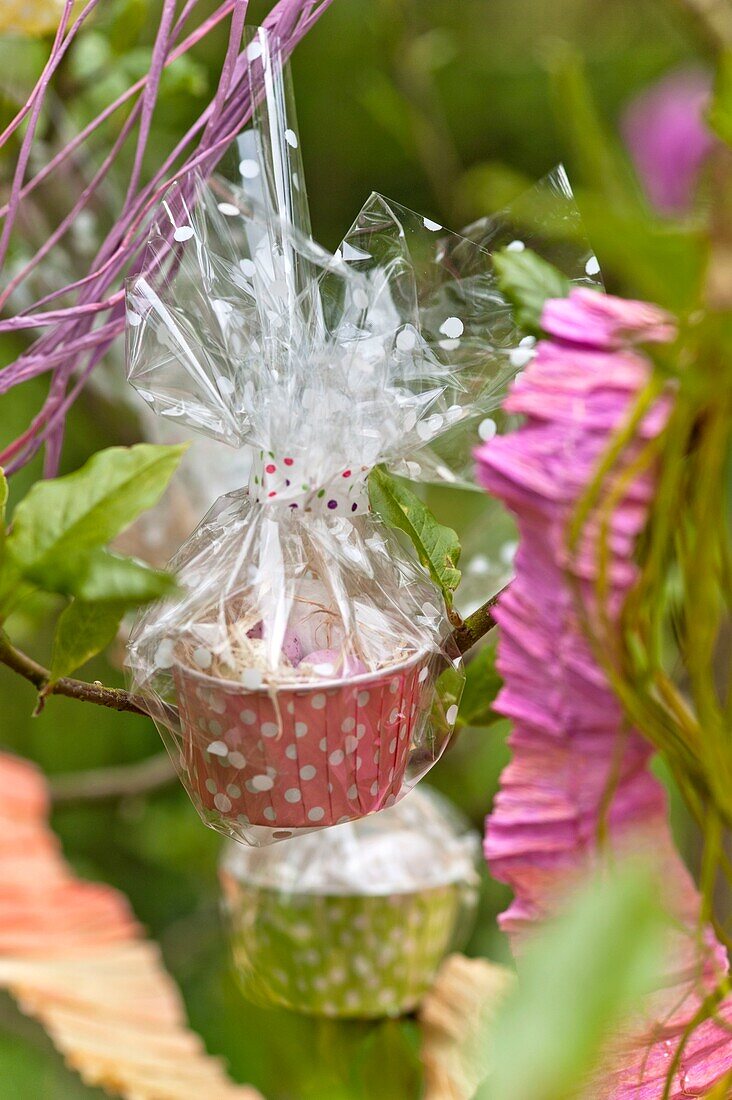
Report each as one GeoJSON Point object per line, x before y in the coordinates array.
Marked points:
{"type": "Point", "coordinates": [123, 781]}
{"type": "Point", "coordinates": [477, 625]}
{"type": "Point", "coordinates": [114, 698]}
{"type": "Point", "coordinates": [465, 636]}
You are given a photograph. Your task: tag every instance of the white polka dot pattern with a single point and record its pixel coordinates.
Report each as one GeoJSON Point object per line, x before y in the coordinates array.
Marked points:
{"type": "Point", "coordinates": [322, 756]}
{"type": "Point", "coordinates": [363, 957]}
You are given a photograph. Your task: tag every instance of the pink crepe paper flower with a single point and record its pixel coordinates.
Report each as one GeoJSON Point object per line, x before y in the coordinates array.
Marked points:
{"type": "Point", "coordinates": [569, 737]}
{"type": "Point", "coordinates": [668, 139]}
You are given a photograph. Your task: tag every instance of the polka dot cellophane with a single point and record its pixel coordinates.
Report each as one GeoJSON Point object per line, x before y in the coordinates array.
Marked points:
{"type": "Point", "coordinates": [367, 957]}
{"type": "Point", "coordinates": [311, 757]}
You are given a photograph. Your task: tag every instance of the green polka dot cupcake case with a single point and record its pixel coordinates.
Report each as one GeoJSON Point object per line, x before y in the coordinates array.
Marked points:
{"type": "Point", "coordinates": [363, 913]}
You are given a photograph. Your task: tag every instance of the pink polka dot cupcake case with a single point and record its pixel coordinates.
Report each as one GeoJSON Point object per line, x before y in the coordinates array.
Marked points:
{"type": "Point", "coordinates": [303, 703]}
{"type": "Point", "coordinates": [337, 753]}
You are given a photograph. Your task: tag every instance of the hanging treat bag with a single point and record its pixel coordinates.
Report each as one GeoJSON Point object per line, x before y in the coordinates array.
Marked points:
{"type": "Point", "coordinates": [353, 921]}
{"type": "Point", "coordinates": [305, 675]}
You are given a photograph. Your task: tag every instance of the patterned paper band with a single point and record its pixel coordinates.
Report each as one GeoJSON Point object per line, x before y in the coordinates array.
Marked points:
{"type": "Point", "coordinates": [284, 480]}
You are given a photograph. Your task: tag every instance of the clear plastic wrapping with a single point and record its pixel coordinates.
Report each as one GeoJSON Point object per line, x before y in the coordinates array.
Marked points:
{"type": "Point", "coordinates": [306, 676]}
{"type": "Point", "coordinates": [353, 921]}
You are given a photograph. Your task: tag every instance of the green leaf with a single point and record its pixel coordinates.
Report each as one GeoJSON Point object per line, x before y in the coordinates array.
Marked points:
{"type": "Point", "coordinates": [91, 57]}
{"type": "Point", "coordinates": [482, 684]}
{"type": "Point", "coordinates": [105, 588]}
{"type": "Point", "coordinates": [578, 979]}
{"type": "Point", "coordinates": [107, 576]}
{"type": "Point", "coordinates": [719, 115]}
{"type": "Point", "coordinates": [82, 631]}
{"type": "Point", "coordinates": [60, 522]}
{"type": "Point", "coordinates": [491, 185]}
{"type": "Point", "coordinates": [438, 547]}
{"type": "Point", "coordinates": [386, 105]}
{"type": "Point", "coordinates": [527, 282]}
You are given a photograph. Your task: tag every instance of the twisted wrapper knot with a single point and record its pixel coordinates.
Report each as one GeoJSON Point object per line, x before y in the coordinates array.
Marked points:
{"type": "Point", "coordinates": [286, 479]}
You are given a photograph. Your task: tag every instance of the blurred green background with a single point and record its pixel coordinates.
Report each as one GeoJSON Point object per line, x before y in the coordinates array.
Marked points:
{"type": "Point", "coordinates": [449, 107]}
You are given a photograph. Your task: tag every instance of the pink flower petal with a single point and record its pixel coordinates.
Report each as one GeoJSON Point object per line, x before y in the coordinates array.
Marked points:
{"type": "Point", "coordinates": [567, 724]}
{"type": "Point", "coordinates": [668, 139]}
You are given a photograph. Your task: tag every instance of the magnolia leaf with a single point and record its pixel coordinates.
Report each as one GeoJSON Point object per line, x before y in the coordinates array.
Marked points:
{"type": "Point", "coordinates": [82, 631]}
{"type": "Point", "coordinates": [60, 521]}
{"type": "Point", "coordinates": [103, 575]}
{"type": "Point", "coordinates": [578, 980]}
{"type": "Point", "coordinates": [105, 586]}
{"type": "Point", "coordinates": [438, 547]}
{"type": "Point", "coordinates": [107, 576]}
{"type": "Point", "coordinates": [75, 958]}
{"type": "Point", "coordinates": [528, 282]}
{"type": "Point", "coordinates": [482, 684]}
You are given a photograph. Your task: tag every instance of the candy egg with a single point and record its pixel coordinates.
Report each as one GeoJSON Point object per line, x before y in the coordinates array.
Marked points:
{"type": "Point", "coordinates": [331, 662]}
{"type": "Point", "coordinates": [292, 647]}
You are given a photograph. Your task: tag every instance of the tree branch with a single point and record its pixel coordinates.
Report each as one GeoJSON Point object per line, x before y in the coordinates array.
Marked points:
{"type": "Point", "coordinates": [465, 635]}
{"type": "Point", "coordinates": [477, 625]}
{"type": "Point", "coordinates": [123, 781]}
{"type": "Point", "coordinates": [114, 698]}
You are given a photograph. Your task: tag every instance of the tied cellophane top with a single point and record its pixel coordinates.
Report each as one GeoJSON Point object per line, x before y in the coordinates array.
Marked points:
{"type": "Point", "coordinates": [323, 366]}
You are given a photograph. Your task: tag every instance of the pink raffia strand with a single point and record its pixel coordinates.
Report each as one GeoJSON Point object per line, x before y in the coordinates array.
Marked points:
{"type": "Point", "coordinates": [576, 766]}
{"type": "Point", "coordinates": [74, 339]}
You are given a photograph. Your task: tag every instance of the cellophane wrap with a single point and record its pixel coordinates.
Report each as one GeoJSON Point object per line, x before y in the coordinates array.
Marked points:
{"type": "Point", "coordinates": [355, 920]}
{"type": "Point", "coordinates": [306, 675]}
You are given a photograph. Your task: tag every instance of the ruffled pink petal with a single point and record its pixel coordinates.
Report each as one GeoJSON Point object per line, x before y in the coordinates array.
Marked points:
{"type": "Point", "coordinates": [593, 319]}
{"type": "Point", "coordinates": [568, 728]}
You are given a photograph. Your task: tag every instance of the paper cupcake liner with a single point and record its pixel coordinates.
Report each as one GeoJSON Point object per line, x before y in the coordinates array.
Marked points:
{"type": "Point", "coordinates": [309, 757]}
{"type": "Point", "coordinates": [327, 955]}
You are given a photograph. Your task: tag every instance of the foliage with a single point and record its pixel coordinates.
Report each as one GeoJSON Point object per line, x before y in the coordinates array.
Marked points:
{"type": "Point", "coordinates": [458, 140]}
{"type": "Point", "coordinates": [56, 544]}
{"type": "Point", "coordinates": [527, 281]}
{"type": "Point", "coordinates": [482, 684]}
{"type": "Point", "coordinates": [438, 549]}
{"type": "Point", "coordinates": [437, 546]}
{"type": "Point", "coordinates": [576, 982]}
